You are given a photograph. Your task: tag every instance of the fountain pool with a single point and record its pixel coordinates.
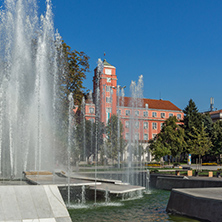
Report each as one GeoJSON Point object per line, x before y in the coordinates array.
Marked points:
{"type": "Point", "coordinates": [150, 207]}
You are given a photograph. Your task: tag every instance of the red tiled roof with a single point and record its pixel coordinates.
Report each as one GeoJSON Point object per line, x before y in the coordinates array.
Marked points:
{"type": "Point", "coordinates": [153, 104]}
{"type": "Point", "coordinates": [215, 112]}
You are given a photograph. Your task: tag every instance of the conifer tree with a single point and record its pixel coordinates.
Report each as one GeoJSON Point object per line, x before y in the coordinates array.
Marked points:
{"type": "Point", "coordinates": [208, 123]}
{"type": "Point", "coordinates": [216, 138]}
{"type": "Point", "coordinates": [199, 142]}
{"type": "Point", "coordinates": [192, 119]}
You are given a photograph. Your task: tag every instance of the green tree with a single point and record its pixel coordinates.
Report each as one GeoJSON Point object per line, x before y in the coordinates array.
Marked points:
{"type": "Point", "coordinates": [90, 138]}
{"type": "Point", "coordinates": [158, 149]}
{"type": "Point", "coordinates": [73, 66]}
{"type": "Point", "coordinates": [139, 151]}
{"type": "Point", "coordinates": [199, 142]}
{"type": "Point", "coordinates": [115, 142]}
{"type": "Point", "coordinates": [216, 138]}
{"type": "Point", "coordinates": [76, 65]}
{"type": "Point", "coordinates": [170, 141]}
{"type": "Point", "coordinates": [208, 123]}
{"type": "Point", "coordinates": [192, 120]}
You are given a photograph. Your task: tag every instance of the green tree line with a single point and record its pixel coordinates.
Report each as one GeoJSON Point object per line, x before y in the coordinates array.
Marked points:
{"type": "Point", "coordinates": [196, 134]}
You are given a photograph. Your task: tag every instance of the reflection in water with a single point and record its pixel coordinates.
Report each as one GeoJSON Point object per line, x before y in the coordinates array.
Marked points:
{"type": "Point", "coordinates": [149, 208]}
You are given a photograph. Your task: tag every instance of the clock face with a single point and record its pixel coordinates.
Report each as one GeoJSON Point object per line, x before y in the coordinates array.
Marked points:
{"type": "Point", "coordinates": [108, 79]}
{"type": "Point", "coordinates": [108, 71]}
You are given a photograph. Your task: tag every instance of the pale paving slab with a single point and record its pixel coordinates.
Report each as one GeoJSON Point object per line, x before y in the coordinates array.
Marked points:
{"type": "Point", "coordinates": [56, 202]}
{"type": "Point", "coordinates": [41, 202]}
{"type": "Point", "coordinates": [2, 217]}
{"type": "Point", "coordinates": [63, 219]}
{"type": "Point", "coordinates": [32, 204]}
{"type": "Point", "coordinates": [24, 198]}
{"type": "Point", "coordinates": [8, 198]}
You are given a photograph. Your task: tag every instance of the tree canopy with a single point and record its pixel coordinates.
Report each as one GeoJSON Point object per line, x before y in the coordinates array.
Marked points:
{"type": "Point", "coordinates": [199, 141]}
{"type": "Point", "coordinates": [89, 129]}
{"type": "Point", "coordinates": [74, 65]}
{"type": "Point", "coordinates": [170, 141]}
{"type": "Point", "coordinates": [192, 119]}
{"type": "Point", "coordinates": [216, 138]}
{"type": "Point", "coordinates": [115, 142]}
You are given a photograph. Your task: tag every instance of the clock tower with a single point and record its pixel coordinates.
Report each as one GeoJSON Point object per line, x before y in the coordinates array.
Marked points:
{"type": "Point", "coordinates": [107, 83]}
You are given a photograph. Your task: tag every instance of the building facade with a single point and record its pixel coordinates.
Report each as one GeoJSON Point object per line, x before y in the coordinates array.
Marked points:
{"type": "Point", "coordinates": [216, 115]}
{"type": "Point", "coordinates": [150, 114]}
{"type": "Point", "coordinates": [143, 120]}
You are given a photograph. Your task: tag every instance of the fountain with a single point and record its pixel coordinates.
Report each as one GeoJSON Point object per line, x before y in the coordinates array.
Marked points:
{"type": "Point", "coordinates": [133, 144]}
{"type": "Point", "coordinates": [29, 112]}
{"type": "Point", "coordinates": [28, 88]}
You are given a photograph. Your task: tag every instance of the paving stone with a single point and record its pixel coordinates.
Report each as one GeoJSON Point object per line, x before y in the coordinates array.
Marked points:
{"type": "Point", "coordinates": [56, 202]}
{"type": "Point", "coordinates": [32, 204]}
{"type": "Point", "coordinates": [47, 220]}
{"type": "Point", "coordinates": [33, 220]}
{"type": "Point", "coordinates": [63, 219]}
{"type": "Point", "coordinates": [11, 221]}
{"type": "Point", "coordinates": [9, 203]}
{"type": "Point", "coordinates": [41, 202]}
{"type": "Point", "coordinates": [2, 215]}
{"type": "Point", "coordinates": [25, 202]}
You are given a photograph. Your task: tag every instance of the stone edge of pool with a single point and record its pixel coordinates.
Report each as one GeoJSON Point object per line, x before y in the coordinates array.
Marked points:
{"type": "Point", "coordinates": [200, 203]}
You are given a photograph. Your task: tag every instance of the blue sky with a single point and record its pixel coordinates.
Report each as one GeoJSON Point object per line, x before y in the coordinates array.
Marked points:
{"type": "Point", "coordinates": [175, 45]}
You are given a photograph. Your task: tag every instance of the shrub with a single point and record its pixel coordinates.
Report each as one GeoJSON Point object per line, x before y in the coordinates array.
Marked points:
{"type": "Point", "coordinates": [209, 164]}
{"type": "Point", "coordinates": [154, 171]}
{"type": "Point", "coordinates": [152, 164]}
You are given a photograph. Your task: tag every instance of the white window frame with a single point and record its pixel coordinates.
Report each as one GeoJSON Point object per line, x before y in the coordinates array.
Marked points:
{"type": "Point", "coordinates": [145, 113]}
{"type": "Point", "coordinates": [145, 125]}
{"type": "Point", "coordinates": [108, 110]}
{"type": "Point", "coordinates": [127, 112]}
{"type": "Point", "coordinates": [119, 112]}
{"type": "Point", "coordinates": [127, 136]}
{"type": "Point", "coordinates": [127, 124]}
{"type": "Point", "coordinates": [145, 136]}
{"type": "Point", "coordinates": [108, 99]}
{"type": "Point", "coordinates": [170, 114]}
{"type": "Point", "coordinates": [179, 116]}
{"type": "Point", "coordinates": [137, 136]}
{"type": "Point", "coordinates": [137, 113]}
{"type": "Point", "coordinates": [137, 124]}
{"type": "Point", "coordinates": [161, 125]}
{"type": "Point", "coordinates": [162, 115]}
{"type": "Point", "coordinates": [154, 125]}
{"type": "Point", "coordinates": [154, 114]}
{"type": "Point", "coordinates": [107, 88]}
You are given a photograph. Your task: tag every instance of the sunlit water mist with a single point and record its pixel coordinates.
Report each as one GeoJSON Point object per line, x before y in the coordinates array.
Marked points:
{"type": "Point", "coordinates": [133, 145]}
{"type": "Point", "coordinates": [28, 87]}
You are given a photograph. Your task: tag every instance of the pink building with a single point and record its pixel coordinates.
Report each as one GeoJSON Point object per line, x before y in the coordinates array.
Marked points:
{"type": "Point", "coordinates": [149, 116]}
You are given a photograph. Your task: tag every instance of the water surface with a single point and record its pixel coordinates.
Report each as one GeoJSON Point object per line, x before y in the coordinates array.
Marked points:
{"type": "Point", "coordinates": [151, 207]}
